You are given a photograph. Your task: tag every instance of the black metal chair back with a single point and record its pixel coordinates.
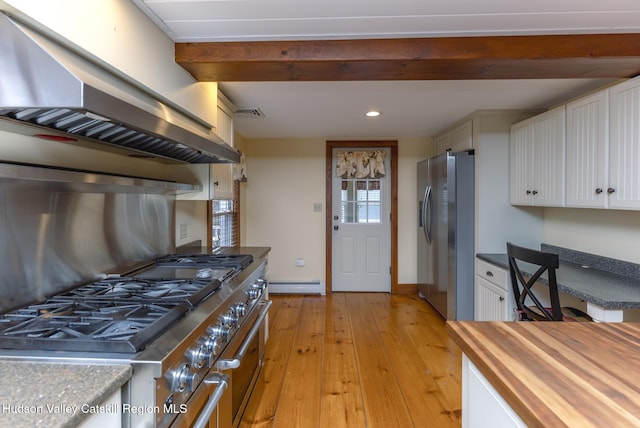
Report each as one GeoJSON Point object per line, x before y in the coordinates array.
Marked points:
{"type": "Point", "coordinates": [523, 287]}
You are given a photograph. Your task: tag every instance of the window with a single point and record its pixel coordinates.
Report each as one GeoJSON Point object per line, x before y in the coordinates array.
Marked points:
{"type": "Point", "coordinates": [360, 201]}
{"type": "Point", "coordinates": [225, 220]}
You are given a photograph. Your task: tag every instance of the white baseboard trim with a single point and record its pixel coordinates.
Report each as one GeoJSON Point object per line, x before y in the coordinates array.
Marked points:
{"type": "Point", "coordinates": [297, 287]}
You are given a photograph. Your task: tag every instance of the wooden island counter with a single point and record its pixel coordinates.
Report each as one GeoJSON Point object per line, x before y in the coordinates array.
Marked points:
{"type": "Point", "coordinates": [550, 374]}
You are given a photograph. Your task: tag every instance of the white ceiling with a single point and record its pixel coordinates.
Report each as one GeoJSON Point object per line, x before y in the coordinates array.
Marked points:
{"type": "Point", "coordinates": [410, 108]}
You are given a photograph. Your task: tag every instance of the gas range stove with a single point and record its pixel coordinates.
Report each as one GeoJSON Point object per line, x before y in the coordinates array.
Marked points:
{"type": "Point", "coordinates": [120, 313]}
{"type": "Point", "coordinates": [174, 321]}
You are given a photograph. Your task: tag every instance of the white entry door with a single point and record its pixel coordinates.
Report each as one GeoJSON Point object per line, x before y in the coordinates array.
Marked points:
{"type": "Point", "coordinates": [361, 235]}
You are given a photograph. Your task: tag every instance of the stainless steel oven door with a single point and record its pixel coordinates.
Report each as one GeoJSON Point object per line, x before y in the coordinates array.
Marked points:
{"type": "Point", "coordinates": [203, 408]}
{"type": "Point", "coordinates": [243, 361]}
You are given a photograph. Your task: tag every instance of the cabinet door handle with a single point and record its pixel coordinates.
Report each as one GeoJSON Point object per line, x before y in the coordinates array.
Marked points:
{"type": "Point", "coordinates": [489, 273]}
{"type": "Point", "coordinates": [528, 192]}
{"type": "Point", "coordinates": [535, 192]}
{"type": "Point", "coordinates": [598, 190]}
{"type": "Point", "coordinates": [611, 190]}
{"type": "Point", "coordinates": [501, 298]}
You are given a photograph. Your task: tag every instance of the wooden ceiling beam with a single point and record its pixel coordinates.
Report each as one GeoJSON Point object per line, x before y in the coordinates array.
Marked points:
{"type": "Point", "coordinates": [450, 58]}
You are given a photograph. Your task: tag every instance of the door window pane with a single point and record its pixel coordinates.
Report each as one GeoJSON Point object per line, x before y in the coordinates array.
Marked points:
{"type": "Point", "coordinates": [360, 201]}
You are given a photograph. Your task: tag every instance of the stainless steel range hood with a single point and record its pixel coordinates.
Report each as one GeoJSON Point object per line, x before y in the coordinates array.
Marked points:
{"type": "Point", "coordinates": [46, 85]}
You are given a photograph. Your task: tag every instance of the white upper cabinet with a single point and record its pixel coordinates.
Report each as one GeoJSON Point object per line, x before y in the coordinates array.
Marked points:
{"type": "Point", "coordinates": [521, 163]}
{"type": "Point", "coordinates": [459, 139]}
{"type": "Point", "coordinates": [588, 151]}
{"type": "Point", "coordinates": [224, 128]}
{"type": "Point", "coordinates": [623, 188]}
{"type": "Point", "coordinates": [216, 179]}
{"type": "Point", "coordinates": [602, 153]}
{"type": "Point", "coordinates": [222, 181]}
{"type": "Point", "coordinates": [442, 143]}
{"type": "Point", "coordinates": [537, 160]}
{"type": "Point", "coordinates": [222, 174]}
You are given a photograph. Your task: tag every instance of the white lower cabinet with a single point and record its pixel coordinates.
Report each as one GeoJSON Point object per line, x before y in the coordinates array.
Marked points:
{"type": "Point", "coordinates": [100, 418]}
{"type": "Point", "coordinates": [482, 405]}
{"type": "Point", "coordinates": [493, 296]}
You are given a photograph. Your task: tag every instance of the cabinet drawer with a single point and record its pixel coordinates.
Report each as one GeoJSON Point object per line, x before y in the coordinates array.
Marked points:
{"type": "Point", "coordinates": [492, 273]}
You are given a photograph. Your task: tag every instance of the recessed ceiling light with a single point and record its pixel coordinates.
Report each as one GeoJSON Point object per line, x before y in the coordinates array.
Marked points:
{"type": "Point", "coordinates": [373, 113]}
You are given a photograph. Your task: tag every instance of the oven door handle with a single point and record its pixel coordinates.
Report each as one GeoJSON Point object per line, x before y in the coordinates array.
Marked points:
{"type": "Point", "coordinates": [237, 359]}
{"type": "Point", "coordinates": [221, 381]}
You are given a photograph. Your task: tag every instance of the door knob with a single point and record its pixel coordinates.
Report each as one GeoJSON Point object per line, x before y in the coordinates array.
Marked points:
{"type": "Point", "coordinates": [336, 227]}
{"type": "Point", "coordinates": [335, 217]}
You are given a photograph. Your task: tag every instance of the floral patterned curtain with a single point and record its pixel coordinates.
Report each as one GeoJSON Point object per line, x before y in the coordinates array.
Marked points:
{"type": "Point", "coordinates": [360, 164]}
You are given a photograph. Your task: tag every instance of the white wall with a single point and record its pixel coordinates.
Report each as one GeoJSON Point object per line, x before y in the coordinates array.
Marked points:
{"type": "Point", "coordinates": [609, 233]}
{"type": "Point", "coordinates": [191, 222]}
{"type": "Point", "coordinates": [285, 179]}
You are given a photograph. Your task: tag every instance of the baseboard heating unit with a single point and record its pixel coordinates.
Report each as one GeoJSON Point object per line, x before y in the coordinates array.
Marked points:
{"type": "Point", "coordinates": [297, 287]}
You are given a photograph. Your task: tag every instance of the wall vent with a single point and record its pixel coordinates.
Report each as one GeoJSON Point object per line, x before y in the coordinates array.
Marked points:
{"type": "Point", "coordinates": [248, 113]}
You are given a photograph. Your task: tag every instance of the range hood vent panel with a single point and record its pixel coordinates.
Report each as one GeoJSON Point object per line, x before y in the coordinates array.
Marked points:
{"type": "Point", "coordinates": [45, 85]}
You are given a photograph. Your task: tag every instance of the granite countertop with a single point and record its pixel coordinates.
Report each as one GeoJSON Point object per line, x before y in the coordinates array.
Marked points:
{"type": "Point", "coordinates": [45, 394]}
{"type": "Point", "coordinates": [256, 252]}
{"type": "Point", "coordinates": [555, 374]}
{"type": "Point", "coordinates": [590, 279]}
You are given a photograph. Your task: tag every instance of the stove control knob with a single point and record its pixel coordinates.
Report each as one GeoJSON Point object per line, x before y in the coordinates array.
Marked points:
{"type": "Point", "coordinates": [260, 284]}
{"type": "Point", "coordinates": [229, 319]}
{"type": "Point", "coordinates": [197, 356]}
{"type": "Point", "coordinates": [193, 379]}
{"type": "Point", "coordinates": [253, 293]}
{"type": "Point", "coordinates": [212, 346]}
{"type": "Point", "coordinates": [219, 331]}
{"type": "Point", "coordinates": [239, 309]}
{"type": "Point", "coordinates": [180, 378]}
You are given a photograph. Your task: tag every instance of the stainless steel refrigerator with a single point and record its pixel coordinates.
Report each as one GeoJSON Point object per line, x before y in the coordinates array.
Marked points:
{"type": "Point", "coordinates": [446, 234]}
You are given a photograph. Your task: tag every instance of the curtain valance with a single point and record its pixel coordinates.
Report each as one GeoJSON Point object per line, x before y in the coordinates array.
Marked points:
{"type": "Point", "coordinates": [360, 164]}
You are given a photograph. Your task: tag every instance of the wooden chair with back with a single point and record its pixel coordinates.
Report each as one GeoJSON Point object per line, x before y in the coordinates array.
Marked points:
{"type": "Point", "coordinates": [529, 306]}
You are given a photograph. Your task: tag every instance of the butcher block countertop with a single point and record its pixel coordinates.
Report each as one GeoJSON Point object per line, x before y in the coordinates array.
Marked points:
{"type": "Point", "coordinates": [556, 374]}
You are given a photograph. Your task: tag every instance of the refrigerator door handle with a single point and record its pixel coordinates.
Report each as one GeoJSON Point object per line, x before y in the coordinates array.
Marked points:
{"type": "Point", "coordinates": [427, 215]}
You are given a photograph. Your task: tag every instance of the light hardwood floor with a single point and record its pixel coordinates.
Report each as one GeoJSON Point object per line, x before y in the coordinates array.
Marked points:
{"type": "Point", "coordinates": [357, 360]}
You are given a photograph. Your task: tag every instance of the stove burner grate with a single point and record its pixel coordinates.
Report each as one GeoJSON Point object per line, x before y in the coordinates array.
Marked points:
{"type": "Point", "coordinates": [236, 261]}
{"type": "Point", "coordinates": [189, 291]}
{"type": "Point", "coordinates": [92, 325]}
